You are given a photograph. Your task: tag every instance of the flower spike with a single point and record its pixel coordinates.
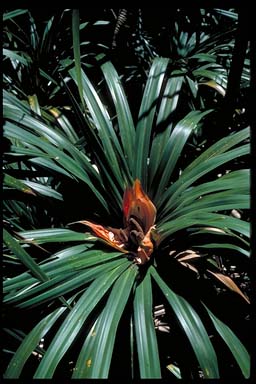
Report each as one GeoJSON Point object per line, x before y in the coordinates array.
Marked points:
{"type": "Point", "coordinates": [139, 214]}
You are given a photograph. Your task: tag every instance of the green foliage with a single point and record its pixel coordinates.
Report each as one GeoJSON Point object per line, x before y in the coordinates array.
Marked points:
{"type": "Point", "coordinates": [80, 292]}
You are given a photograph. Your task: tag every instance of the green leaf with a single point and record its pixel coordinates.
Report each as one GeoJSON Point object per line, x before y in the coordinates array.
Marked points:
{"type": "Point", "coordinates": [73, 323]}
{"type": "Point", "coordinates": [24, 257]}
{"type": "Point", "coordinates": [74, 167]}
{"type": "Point", "coordinates": [42, 161]}
{"type": "Point", "coordinates": [42, 129]}
{"type": "Point", "coordinates": [168, 106]}
{"type": "Point", "coordinates": [12, 14]}
{"type": "Point", "coordinates": [99, 344]}
{"type": "Point", "coordinates": [101, 22]}
{"type": "Point", "coordinates": [46, 43]}
{"type": "Point", "coordinates": [56, 288]}
{"type": "Point", "coordinates": [193, 85]}
{"type": "Point", "coordinates": [199, 218]}
{"type": "Point", "coordinates": [175, 145]}
{"type": "Point", "coordinates": [124, 117]}
{"type": "Point", "coordinates": [146, 117]}
{"type": "Point", "coordinates": [236, 181]}
{"type": "Point", "coordinates": [30, 342]}
{"type": "Point", "coordinates": [219, 78]}
{"type": "Point", "coordinates": [132, 345]}
{"type": "Point", "coordinates": [76, 49]}
{"type": "Point", "coordinates": [20, 295]}
{"type": "Point", "coordinates": [230, 14]}
{"type": "Point", "coordinates": [106, 134]}
{"type": "Point", "coordinates": [224, 200]}
{"type": "Point", "coordinates": [204, 57]}
{"type": "Point", "coordinates": [55, 235]}
{"type": "Point", "coordinates": [23, 59]}
{"type": "Point", "coordinates": [149, 363]}
{"type": "Point", "coordinates": [214, 85]}
{"type": "Point", "coordinates": [36, 132]}
{"type": "Point", "coordinates": [72, 261]}
{"type": "Point", "coordinates": [234, 344]}
{"type": "Point", "coordinates": [43, 190]}
{"type": "Point", "coordinates": [34, 38]}
{"type": "Point", "coordinates": [65, 125]}
{"type": "Point", "coordinates": [223, 246]}
{"type": "Point", "coordinates": [193, 327]}
{"type": "Point", "coordinates": [17, 184]}
{"type": "Point", "coordinates": [218, 154]}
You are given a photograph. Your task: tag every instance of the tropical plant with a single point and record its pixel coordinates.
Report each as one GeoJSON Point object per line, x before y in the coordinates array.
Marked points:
{"type": "Point", "coordinates": [33, 51]}
{"type": "Point", "coordinates": [200, 44]}
{"type": "Point", "coordinates": [164, 233]}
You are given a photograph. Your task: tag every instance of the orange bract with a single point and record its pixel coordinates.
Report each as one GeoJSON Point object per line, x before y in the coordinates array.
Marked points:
{"type": "Point", "coordinates": [138, 205]}
{"type": "Point", "coordinates": [105, 234]}
{"type": "Point", "coordinates": [139, 217]}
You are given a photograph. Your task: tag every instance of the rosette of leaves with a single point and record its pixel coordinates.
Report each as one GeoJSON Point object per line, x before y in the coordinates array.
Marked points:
{"type": "Point", "coordinates": [95, 308]}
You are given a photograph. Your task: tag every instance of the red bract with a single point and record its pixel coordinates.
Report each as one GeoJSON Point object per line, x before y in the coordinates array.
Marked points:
{"type": "Point", "coordinates": [139, 214]}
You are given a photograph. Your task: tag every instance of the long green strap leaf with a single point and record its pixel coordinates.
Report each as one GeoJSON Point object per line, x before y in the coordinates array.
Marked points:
{"type": "Point", "coordinates": [24, 257]}
{"type": "Point", "coordinates": [186, 180]}
{"type": "Point", "coordinates": [218, 76]}
{"type": "Point", "coordinates": [237, 349]}
{"type": "Point", "coordinates": [105, 140]}
{"type": "Point", "coordinates": [149, 363]}
{"type": "Point", "coordinates": [55, 235]}
{"type": "Point", "coordinates": [164, 124]}
{"type": "Point", "coordinates": [24, 279]}
{"type": "Point", "coordinates": [206, 219]}
{"type": "Point", "coordinates": [43, 130]}
{"type": "Point", "coordinates": [216, 202]}
{"type": "Point", "coordinates": [12, 14]}
{"type": "Point", "coordinates": [43, 161]}
{"type": "Point", "coordinates": [146, 117]}
{"type": "Point", "coordinates": [95, 356]}
{"type": "Point", "coordinates": [12, 182]}
{"type": "Point", "coordinates": [20, 295]}
{"type": "Point", "coordinates": [73, 323]}
{"type": "Point", "coordinates": [193, 327]}
{"type": "Point", "coordinates": [124, 116]}
{"type": "Point", "coordinates": [53, 142]}
{"type": "Point", "coordinates": [46, 39]}
{"type": "Point", "coordinates": [76, 50]}
{"type": "Point", "coordinates": [69, 284]}
{"type": "Point", "coordinates": [53, 268]}
{"type": "Point", "coordinates": [236, 180]}
{"type": "Point", "coordinates": [103, 125]}
{"type": "Point", "coordinates": [30, 343]}
{"type": "Point", "coordinates": [43, 190]}
{"type": "Point", "coordinates": [207, 161]}
{"type": "Point", "coordinates": [174, 147]}
{"type": "Point", "coordinates": [223, 246]}
{"type": "Point", "coordinates": [72, 166]}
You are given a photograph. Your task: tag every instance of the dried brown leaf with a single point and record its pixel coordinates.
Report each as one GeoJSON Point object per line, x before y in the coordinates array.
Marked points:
{"type": "Point", "coordinates": [229, 283]}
